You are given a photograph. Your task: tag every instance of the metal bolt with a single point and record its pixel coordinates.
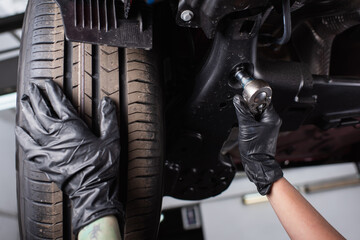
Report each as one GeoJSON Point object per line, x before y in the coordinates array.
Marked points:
{"type": "Point", "coordinates": [187, 15]}
{"type": "Point", "coordinates": [243, 77]}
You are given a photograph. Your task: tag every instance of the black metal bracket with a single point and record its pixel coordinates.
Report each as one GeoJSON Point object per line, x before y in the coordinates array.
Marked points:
{"type": "Point", "coordinates": [197, 168]}
{"type": "Point", "coordinates": [206, 14]}
{"type": "Point", "coordinates": [298, 96]}
{"type": "Point", "coordinates": [103, 22]}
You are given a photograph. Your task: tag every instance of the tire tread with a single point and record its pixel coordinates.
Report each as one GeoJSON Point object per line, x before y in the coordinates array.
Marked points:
{"type": "Point", "coordinates": [92, 73]}
{"type": "Point", "coordinates": [144, 138]}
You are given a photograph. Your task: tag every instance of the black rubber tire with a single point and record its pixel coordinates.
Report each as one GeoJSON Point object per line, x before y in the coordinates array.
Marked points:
{"type": "Point", "coordinates": [87, 73]}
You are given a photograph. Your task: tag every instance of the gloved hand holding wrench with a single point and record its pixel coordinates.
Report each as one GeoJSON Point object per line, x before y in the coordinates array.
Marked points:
{"type": "Point", "coordinates": [256, 92]}
{"type": "Point", "coordinates": [259, 126]}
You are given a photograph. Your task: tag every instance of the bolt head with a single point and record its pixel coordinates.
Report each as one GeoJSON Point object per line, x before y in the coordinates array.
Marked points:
{"type": "Point", "coordinates": [261, 106]}
{"type": "Point", "coordinates": [187, 15]}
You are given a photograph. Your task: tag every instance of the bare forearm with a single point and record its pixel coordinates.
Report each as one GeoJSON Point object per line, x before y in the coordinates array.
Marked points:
{"type": "Point", "coordinates": [298, 217]}
{"type": "Point", "coordinates": [101, 229]}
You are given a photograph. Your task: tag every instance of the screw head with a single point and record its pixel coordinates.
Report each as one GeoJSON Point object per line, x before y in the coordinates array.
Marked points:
{"type": "Point", "coordinates": [187, 15]}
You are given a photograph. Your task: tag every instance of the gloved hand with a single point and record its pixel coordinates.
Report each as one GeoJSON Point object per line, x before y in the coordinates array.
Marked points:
{"type": "Point", "coordinates": [257, 145]}
{"type": "Point", "coordinates": [60, 144]}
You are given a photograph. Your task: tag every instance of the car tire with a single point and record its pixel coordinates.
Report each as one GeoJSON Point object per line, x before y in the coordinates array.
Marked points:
{"type": "Point", "coordinates": [87, 73]}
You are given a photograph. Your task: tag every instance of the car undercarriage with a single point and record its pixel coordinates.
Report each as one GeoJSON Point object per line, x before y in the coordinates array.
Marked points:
{"type": "Point", "coordinates": [172, 64]}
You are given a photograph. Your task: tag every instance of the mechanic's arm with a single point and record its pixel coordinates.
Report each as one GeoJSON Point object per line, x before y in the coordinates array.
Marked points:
{"type": "Point", "coordinates": [257, 146]}
{"type": "Point", "coordinates": [84, 166]}
{"type": "Point", "coordinates": [106, 228]}
{"type": "Point", "coordinates": [298, 217]}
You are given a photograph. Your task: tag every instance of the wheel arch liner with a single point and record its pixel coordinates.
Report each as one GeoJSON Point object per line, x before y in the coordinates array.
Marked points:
{"type": "Point", "coordinates": [103, 22]}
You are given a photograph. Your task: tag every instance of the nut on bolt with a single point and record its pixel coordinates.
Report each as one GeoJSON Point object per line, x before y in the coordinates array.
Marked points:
{"type": "Point", "coordinates": [187, 15]}
{"type": "Point", "coordinates": [256, 92]}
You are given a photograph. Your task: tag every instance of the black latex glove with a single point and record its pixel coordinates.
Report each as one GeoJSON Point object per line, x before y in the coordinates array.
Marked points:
{"type": "Point", "coordinates": [83, 165]}
{"type": "Point", "coordinates": [257, 145]}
